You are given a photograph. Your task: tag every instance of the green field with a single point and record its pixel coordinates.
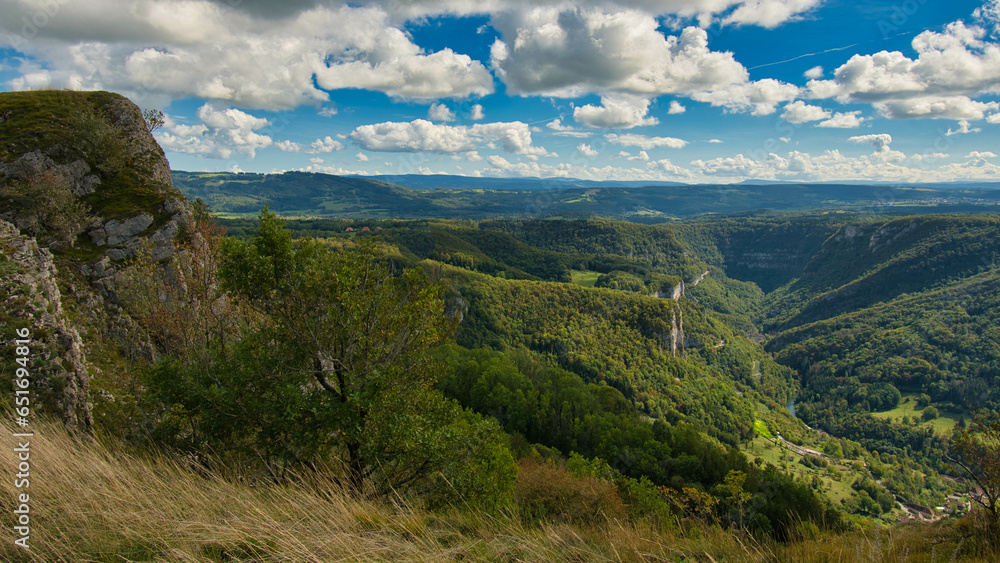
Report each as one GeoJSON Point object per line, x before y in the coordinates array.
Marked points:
{"type": "Point", "coordinates": [760, 427]}
{"type": "Point", "coordinates": [586, 278]}
{"type": "Point", "coordinates": [942, 425]}
{"type": "Point", "coordinates": [836, 480]}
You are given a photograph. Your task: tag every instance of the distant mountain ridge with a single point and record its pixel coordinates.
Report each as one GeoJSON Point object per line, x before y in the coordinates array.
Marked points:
{"type": "Point", "coordinates": [324, 195]}
{"type": "Point", "coordinates": [427, 181]}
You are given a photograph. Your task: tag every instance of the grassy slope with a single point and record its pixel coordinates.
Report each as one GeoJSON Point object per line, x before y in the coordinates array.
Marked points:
{"type": "Point", "coordinates": [91, 501]}
{"type": "Point", "coordinates": [586, 278]}
{"type": "Point", "coordinates": [943, 424]}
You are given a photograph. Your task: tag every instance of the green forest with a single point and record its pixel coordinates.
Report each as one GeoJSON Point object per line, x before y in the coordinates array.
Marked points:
{"type": "Point", "coordinates": [663, 331]}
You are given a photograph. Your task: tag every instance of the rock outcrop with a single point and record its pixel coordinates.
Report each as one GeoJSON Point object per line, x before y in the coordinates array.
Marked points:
{"type": "Point", "coordinates": [677, 342]}
{"type": "Point", "coordinates": [99, 146]}
{"type": "Point", "coordinates": [30, 297]}
{"type": "Point", "coordinates": [76, 173]}
{"type": "Point", "coordinates": [94, 151]}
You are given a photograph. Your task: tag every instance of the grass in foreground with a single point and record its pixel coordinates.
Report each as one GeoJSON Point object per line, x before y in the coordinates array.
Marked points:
{"type": "Point", "coordinates": [92, 502]}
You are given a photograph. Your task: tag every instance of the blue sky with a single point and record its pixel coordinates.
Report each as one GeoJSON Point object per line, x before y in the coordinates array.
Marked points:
{"type": "Point", "coordinates": [680, 90]}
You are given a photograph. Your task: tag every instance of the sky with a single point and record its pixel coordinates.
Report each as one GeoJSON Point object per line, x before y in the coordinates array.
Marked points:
{"type": "Point", "coordinates": [695, 91]}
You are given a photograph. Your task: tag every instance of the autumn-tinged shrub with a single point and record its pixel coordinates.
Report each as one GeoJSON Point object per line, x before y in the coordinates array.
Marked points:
{"type": "Point", "coordinates": [44, 206]}
{"type": "Point", "coordinates": [546, 492]}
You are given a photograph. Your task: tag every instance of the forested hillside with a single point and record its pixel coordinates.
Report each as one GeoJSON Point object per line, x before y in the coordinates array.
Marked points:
{"type": "Point", "coordinates": [907, 319]}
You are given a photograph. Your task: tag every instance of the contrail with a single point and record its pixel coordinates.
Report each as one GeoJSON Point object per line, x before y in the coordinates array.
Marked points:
{"type": "Point", "coordinates": [804, 56]}
{"type": "Point", "coordinates": [826, 51]}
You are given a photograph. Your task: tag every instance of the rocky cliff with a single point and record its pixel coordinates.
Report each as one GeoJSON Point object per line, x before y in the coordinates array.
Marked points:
{"type": "Point", "coordinates": [84, 185]}
{"type": "Point", "coordinates": [30, 298]}
{"type": "Point", "coordinates": [81, 173]}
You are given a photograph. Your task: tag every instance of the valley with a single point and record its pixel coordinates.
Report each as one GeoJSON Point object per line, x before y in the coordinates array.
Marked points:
{"type": "Point", "coordinates": [858, 313]}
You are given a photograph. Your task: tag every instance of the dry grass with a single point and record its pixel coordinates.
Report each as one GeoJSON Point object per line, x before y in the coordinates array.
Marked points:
{"type": "Point", "coordinates": [93, 502]}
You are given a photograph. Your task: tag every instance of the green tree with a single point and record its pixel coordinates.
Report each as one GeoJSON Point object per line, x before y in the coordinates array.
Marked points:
{"type": "Point", "coordinates": [733, 488]}
{"type": "Point", "coordinates": [153, 118]}
{"type": "Point", "coordinates": [354, 339]}
{"type": "Point", "coordinates": [178, 303]}
{"type": "Point", "coordinates": [977, 451]}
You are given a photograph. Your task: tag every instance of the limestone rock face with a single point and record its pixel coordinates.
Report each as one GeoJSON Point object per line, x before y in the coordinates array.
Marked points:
{"type": "Point", "coordinates": [115, 232]}
{"type": "Point", "coordinates": [76, 173]}
{"type": "Point", "coordinates": [677, 340]}
{"type": "Point", "coordinates": [95, 151]}
{"type": "Point", "coordinates": [119, 172]}
{"type": "Point", "coordinates": [30, 295]}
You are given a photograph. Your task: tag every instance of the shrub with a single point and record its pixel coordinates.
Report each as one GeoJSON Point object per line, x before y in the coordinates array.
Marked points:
{"type": "Point", "coordinates": [45, 207]}
{"type": "Point", "coordinates": [546, 492]}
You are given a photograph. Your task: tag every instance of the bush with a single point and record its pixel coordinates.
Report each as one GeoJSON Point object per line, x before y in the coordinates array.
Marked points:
{"type": "Point", "coordinates": [546, 492]}
{"type": "Point", "coordinates": [930, 413]}
{"type": "Point", "coordinates": [620, 280]}
{"type": "Point", "coordinates": [45, 207]}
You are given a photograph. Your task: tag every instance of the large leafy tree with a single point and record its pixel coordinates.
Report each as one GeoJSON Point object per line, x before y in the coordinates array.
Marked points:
{"type": "Point", "coordinates": [976, 450]}
{"type": "Point", "coordinates": [344, 343]}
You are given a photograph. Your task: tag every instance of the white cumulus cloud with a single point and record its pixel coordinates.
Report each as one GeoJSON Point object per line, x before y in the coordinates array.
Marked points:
{"type": "Point", "coordinates": [935, 107]}
{"type": "Point", "coordinates": [288, 146]}
{"type": "Point", "coordinates": [963, 129]}
{"type": "Point", "coordinates": [561, 130]}
{"type": "Point", "coordinates": [981, 154]}
{"type": "Point", "coordinates": [759, 98]}
{"type": "Point", "coordinates": [422, 135]}
{"type": "Point", "coordinates": [665, 165]}
{"type": "Point", "coordinates": [951, 67]}
{"type": "Point", "coordinates": [220, 133]}
{"type": "Point", "coordinates": [325, 145]}
{"type": "Point", "coordinates": [565, 52]}
{"type": "Point", "coordinates": [846, 120]}
{"type": "Point", "coordinates": [801, 112]}
{"type": "Point", "coordinates": [615, 112]}
{"type": "Point", "coordinates": [769, 13]}
{"type": "Point", "coordinates": [170, 49]}
{"type": "Point", "coordinates": [412, 136]}
{"type": "Point", "coordinates": [643, 142]}
{"type": "Point", "coordinates": [440, 112]}
{"type": "Point", "coordinates": [878, 141]}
